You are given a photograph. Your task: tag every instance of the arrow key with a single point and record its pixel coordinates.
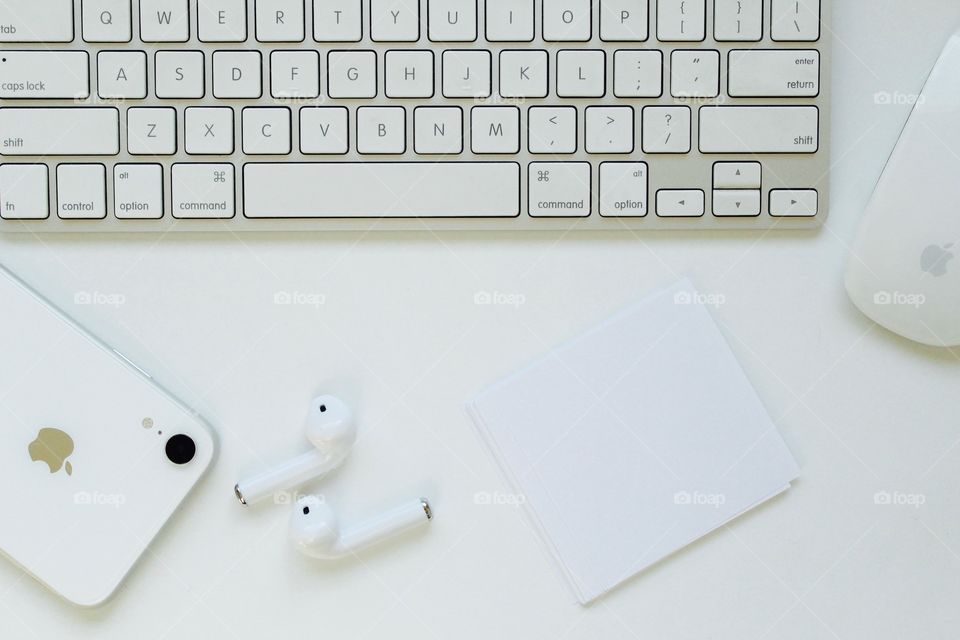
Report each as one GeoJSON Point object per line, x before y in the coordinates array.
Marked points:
{"type": "Point", "coordinates": [736, 202]}
{"type": "Point", "coordinates": [794, 202]}
{"type": "Point", "coordinates": [680, 203]}
{"type": "Point", "coordinates": [736, 175]}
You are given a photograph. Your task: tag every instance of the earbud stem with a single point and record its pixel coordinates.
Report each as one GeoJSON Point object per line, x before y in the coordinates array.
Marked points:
{"type": "Point", "coordinates": [292, 473]}
{"type": "Point", "coordinates": [385, 525]}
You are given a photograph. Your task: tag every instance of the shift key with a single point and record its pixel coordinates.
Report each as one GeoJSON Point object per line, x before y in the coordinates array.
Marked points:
{"type": "Point", "coordinates": [59, 131]}
{"type": "Point", "coordinates": [759, 129]}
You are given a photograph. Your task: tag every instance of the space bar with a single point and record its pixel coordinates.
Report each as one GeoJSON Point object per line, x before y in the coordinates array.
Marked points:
{"type": "Point", "coordinates": [381, 189]}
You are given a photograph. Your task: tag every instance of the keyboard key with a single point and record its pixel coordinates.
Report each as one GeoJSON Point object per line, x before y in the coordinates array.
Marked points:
{"type": "Point", "coordinates": [736, 202]}
{"type": "Point", "coordinates": [266, 130]}
{"type": "Point", "coordinates": [793, 202]}
{"type": "Point", "coordinates": [151, 131]}
{"type": "Point", "coordinates": [81, 191]}
{"type": "Point", "coordinates": [495, 129]}
{"type": "Point", "coordinates": [438, 130]}
{"type": "Point", "coordinates": [566, 20]}
{"type": "Point", "coordinates": [236, 74]}
{"type": "Point", "coordinates": [323, 130]}
{"type": "Point", "coordinates": [381, 130]}
{"type": "Point", "coordinates": [609, 129]}
{"type": "Point", "coordinates": [352, 74]}
{"type": "Point", "coordinates": [795, 20]}
{"type": "Point", "coordinates": [209, 131]}
{"type": "Point", "coordinates": [409, 74]}
{"type": "Point", "coordinates": [681, 20]}
{"type": "Point", "coordinates": [202, 190]}
{"type": "Point", "coordinates": [466, 74]}
{"type": "Point", "coordinates": [695, 74]}
{"type": "Point", "coordinates": [623, 189]}
{"type": "Point", "coordinates": [581, 74]}
{"type": "Point", "coordinates": [552, 129]}
{"type": "Point", "coordinates": [164, 21]}
{"type": "Point", "coordinates": [736, 175]}
{"type": "Point", "coordinates": [759, 129]}
{"type": "Point", "coordinates": [523, 74]}
{"type": "Point", "coordinates": [559, 189]}
{"type": "Point", "coordinates": [32, 21]}
{"type": "Point", "coordinates": [60, 131]}
{"type": "Point", "coordinates": [23, 192]}
{"type": "Point", "coordinates": [624, 20]}
{"type": "Point", "coordinates": [680, 203]}
{"type": "Point", "coordinates": [395, 20]}
{"type": "Point", "coordinates": [122, 74]}
{"type": "Point", "coordinates": [337, 21]}
{"type": "Point", "coordinates": [509, 20]}
{"type": "Point", "coordinates": [377, 190]}
{"type": "Point", "coordinates": [179, 74]}
{"type": "Point", "coordinates": [294, 74]}
{"type": "Point", "coordinates": [738, 20]}
{"type": "Point", "coordinates": [452, 20]}
{"type": "Point", "coordinates": [106, 20]}
{"type": "Point", "coordinates": [768, 73]}
{"type": "Point", "coordinates": [44, 75]}
{"type": "Point", "coordinates": [666, 129]}
{"type": "Point", "coordinates": [222, 20]}
{"type": "Point", "coordinates": [279, 20]}
{"type": "Point", "coordinates": [638, 74]}
{"type": "Point", "coordinates": [138, 191]}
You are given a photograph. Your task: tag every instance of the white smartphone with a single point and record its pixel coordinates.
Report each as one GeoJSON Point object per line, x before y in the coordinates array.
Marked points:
{"type": "Point", "coordinates": [94, 456]}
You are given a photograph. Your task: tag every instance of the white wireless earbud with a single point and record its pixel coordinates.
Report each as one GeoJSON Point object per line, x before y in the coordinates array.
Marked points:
{"type": "Point", "coordinates": [315, 532]}
{"type": "Point", "coordinates": [330, 429]}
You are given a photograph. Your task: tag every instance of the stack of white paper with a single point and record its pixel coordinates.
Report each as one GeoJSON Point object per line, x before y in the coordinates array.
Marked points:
{"type": "Point", "coordinates": [634, 439]}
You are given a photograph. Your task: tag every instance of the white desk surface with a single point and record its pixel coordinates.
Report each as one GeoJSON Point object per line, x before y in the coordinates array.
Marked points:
{"type": "Point", "coordinates": [400, 338]}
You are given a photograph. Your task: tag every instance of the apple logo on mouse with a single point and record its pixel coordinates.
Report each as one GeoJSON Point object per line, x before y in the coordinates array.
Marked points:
{"type": "Point", "coordinates": [934, 259]}
{"type": "Point", "coordinates": [52, 446]}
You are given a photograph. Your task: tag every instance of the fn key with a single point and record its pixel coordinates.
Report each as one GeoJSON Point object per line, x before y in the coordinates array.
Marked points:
{"type": "Point", "coordinates": [23, 192]}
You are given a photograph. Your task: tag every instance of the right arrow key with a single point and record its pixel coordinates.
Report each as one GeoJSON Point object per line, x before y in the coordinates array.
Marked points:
{"type": "Point", "coordinates": [793, 202]}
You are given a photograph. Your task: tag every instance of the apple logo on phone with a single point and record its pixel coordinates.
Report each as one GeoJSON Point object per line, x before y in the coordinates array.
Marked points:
{"type": "Point", "coordinates": [52, 446]}
{"type": "Point", "coordinates": [934, 259]}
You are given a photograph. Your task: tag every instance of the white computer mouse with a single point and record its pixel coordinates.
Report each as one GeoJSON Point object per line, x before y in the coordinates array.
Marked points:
{"type": "Point", "coordinates": [903, 270]}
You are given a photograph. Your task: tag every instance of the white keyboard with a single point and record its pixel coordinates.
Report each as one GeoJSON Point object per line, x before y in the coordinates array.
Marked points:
{"type": "Point", "coordinates": [158, 115]}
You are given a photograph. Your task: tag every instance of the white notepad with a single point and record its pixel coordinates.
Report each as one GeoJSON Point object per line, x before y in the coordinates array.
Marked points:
{"type": "Point", "coordinates": [634, 439]}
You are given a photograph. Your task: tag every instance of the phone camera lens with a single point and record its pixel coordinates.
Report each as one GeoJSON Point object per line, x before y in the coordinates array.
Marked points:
{"type": "Point", "coordinates": [180, 449]}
